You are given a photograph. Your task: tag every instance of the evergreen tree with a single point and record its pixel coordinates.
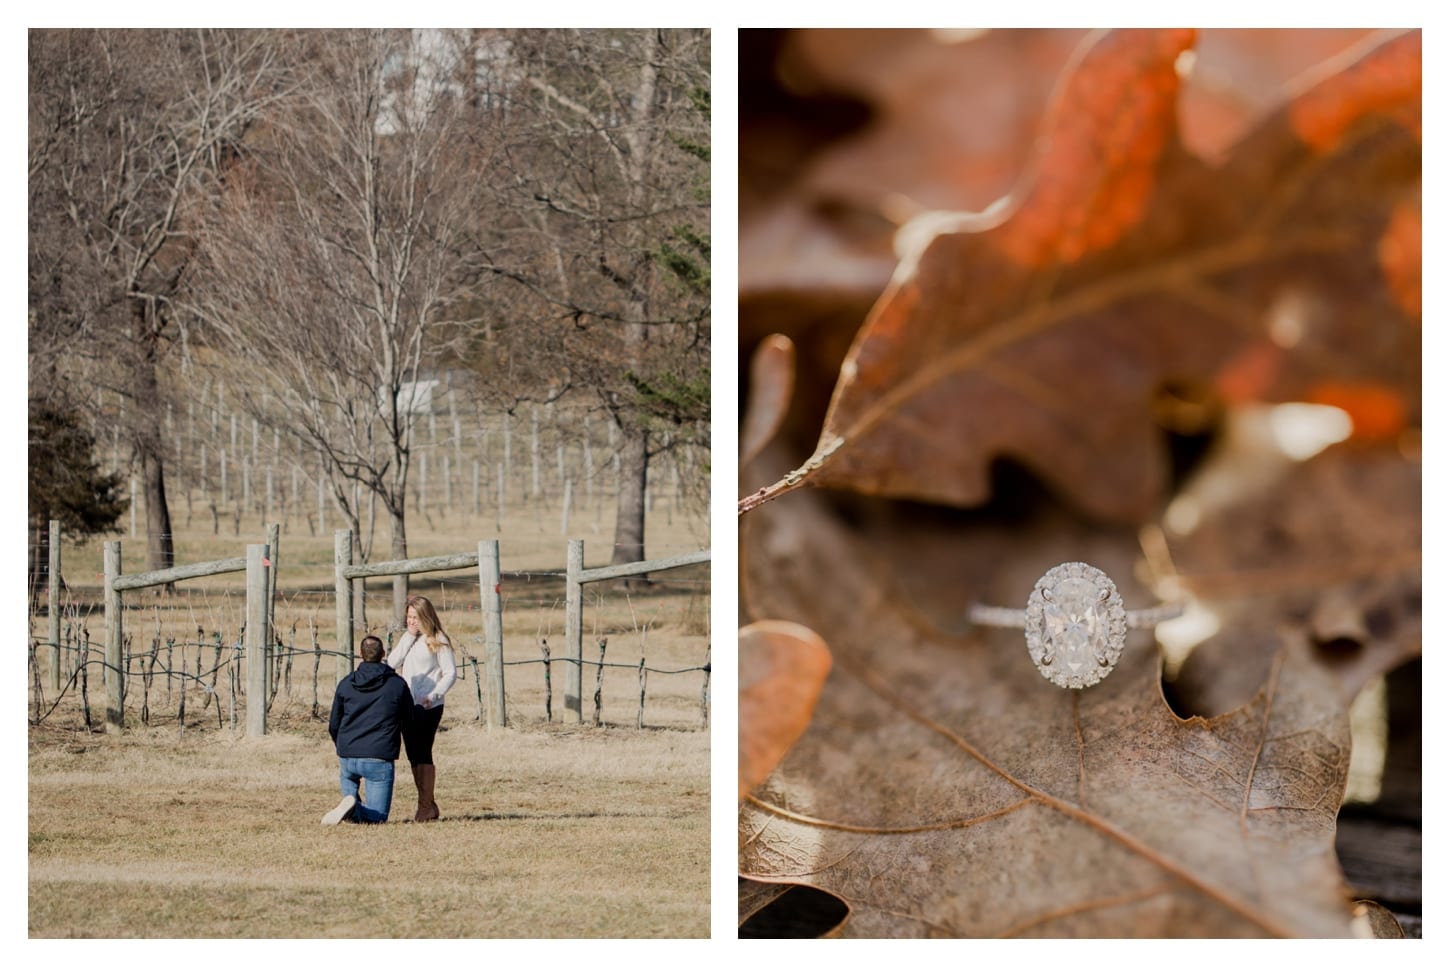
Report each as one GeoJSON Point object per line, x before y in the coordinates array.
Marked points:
{"type": "Point", "coordinates": [66, 484]}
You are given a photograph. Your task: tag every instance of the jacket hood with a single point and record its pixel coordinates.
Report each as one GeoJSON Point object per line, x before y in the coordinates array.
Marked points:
{"type": "Point", "coordinates": [371, 675]}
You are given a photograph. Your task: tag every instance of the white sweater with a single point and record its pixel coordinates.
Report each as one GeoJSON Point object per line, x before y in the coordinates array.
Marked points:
{"type": "Point", "coordinates": [429, 674]}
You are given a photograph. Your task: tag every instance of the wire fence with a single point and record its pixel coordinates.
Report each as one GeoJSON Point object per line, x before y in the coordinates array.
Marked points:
{"type": "Point", "coordinates": [198, 679]}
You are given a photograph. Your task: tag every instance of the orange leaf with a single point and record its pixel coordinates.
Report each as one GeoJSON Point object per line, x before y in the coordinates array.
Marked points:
{"type": "Point", "coordinates": [1248, 375]}
{"type": "Point", "coordinates": [1378, 412]}
{"type": "Point", "coordinates": [1386, 82]}
{"type": "Point", "coordinates": [783, 666]}
{"type": "Point", "coordinates": [1109, 127]}
{"type": "Point", "coordinates": [1399, 255]}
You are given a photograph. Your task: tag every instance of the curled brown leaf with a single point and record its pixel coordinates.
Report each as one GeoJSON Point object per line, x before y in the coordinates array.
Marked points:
{"type": "Point", "coordinates": [782, 668]}
{"type": "Point", "coordinates": [772, 381]}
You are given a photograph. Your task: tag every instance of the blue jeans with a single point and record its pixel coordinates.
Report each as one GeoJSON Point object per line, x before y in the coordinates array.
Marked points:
{"type": "Point", "coordinates": [377, 777]}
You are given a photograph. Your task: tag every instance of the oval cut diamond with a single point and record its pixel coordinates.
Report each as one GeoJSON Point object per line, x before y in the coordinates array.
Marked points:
{"type": "Point", "coordinates": [1075, 625]}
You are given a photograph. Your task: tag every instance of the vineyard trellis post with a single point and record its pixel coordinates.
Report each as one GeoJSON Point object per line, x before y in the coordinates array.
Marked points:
{"type": "Point", "coordinates": [342, 585]}
{"type": "Point", "coordinates": [489, 579]}
{"type": "Point", "coordinates": [53, 609]}
{"type": "Point", "coordinates": [574, 630]}
{"type": "Point", "coordinates": [257, 639]}
{"type": "Point", "coordinates": [115, 686]}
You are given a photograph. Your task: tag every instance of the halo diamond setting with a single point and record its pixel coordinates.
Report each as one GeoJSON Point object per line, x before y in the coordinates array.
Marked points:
{"type": "Point", "coordinates": [1075, 625]}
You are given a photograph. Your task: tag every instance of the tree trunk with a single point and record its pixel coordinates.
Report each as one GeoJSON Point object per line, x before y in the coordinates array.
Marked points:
{"type": "Point", "coordinates": [160, 546]}
{"type": "Point", "coordinates": [634, 445]}
{"type": "Point", "coordinates": [629, 509]}
{"type": "Point", "coordinates": [147, 441]}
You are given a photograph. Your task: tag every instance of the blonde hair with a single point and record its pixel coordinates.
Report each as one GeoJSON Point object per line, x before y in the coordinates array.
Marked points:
{"type": "Point", "coordinates": [428, 623]}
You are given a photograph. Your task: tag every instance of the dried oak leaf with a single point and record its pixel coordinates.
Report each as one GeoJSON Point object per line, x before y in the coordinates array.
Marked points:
{"type": "Point", "coordinates": [944, 789]}
{"type": "Point", "coordinates": [951, 122]}
{"type": "Point", "coordinates": [1374, 920]}
{"type": "Point", "coordinates": [1044, 331]}
{"type": "Point", "coordinates": [967, 104]}
{"type": "Point", "coordinates": [1330, 548]}
{"type": "Point", "coordinates": [953, 115]}
{"type": "Point", "coordinates": [756, 896]}
{"type": "Point", "coordinates": [950, 119]}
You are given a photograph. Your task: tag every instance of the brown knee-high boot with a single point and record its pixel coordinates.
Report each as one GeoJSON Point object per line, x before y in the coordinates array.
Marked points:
{"type": "Point", "coordinates": [423, 777]}
{"type": "Point", "coordinates": [418, 785]}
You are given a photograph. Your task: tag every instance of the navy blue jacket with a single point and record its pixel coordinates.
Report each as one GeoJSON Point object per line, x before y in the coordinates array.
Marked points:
{"type": "Point", "coordinates": [369, 710]}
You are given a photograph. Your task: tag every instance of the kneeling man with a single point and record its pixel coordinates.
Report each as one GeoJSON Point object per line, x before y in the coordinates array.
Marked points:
{"type": "Point", "coordinates": [369, 710]}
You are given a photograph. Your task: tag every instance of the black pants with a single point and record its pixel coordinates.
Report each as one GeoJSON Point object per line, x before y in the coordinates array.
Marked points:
{"type": "Point", "coordinates": [418, 735]}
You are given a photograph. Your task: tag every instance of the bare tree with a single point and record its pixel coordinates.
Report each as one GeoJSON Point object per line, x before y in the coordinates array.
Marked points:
{"type": "Point", "coordinates": [129, 132]}
{"type": "Point", "coordinates": [600, 220]}
{"type": "Point", "coordinates": [328, 267]}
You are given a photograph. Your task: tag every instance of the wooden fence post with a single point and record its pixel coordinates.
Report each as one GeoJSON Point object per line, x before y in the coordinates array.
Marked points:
{"type": "Point", "coordinates": [115, 674]}
{"type": "Point", "coordinates": [256, 640]}
{"type": "Point", "coordinates": [53, 611]}
{"type": "Point", "coordinates": [489, 579]}
{"type": "Point", "coordinates": [400, 601]}
{"type": "Point", "coordinates": [574, 630]}
{"type": "Point", "coordinates": [342, 557]}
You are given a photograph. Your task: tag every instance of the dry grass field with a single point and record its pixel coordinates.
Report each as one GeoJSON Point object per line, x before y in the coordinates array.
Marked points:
{"type": "Point", "coordinates": [565, 832]}
{"type": "Point", "coordinates": [551, 828]}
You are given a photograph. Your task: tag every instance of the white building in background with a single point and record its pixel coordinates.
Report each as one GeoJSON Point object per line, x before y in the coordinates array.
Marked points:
{"type": "Point", "coordinates": [436, 55]}
{"type": "Point", "coordinates": [414, 398]}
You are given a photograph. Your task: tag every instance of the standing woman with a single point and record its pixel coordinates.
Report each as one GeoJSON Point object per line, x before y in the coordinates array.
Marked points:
{"type": "Point", "coordinates": [424, 658]}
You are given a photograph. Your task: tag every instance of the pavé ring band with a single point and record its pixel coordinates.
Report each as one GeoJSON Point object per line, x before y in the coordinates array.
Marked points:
{"type": "Point", "coordinates": [1075, 623]}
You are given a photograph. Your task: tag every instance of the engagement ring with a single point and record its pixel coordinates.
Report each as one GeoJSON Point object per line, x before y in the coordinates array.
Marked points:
{"type": "Point", "coordinates": [1075, 623]}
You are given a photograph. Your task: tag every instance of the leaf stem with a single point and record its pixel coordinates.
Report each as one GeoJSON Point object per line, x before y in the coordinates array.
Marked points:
{"type": "Point", "coordinates": [792, 480]}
